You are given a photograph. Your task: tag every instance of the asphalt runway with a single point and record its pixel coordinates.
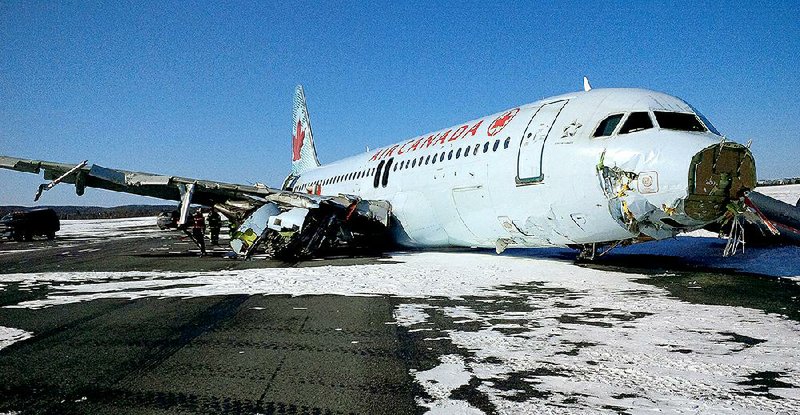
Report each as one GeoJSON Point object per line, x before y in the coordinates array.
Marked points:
{"type": "Point", "coordinates": [320, 354]}
{"type": "Point", "coordinates": [232, 354]}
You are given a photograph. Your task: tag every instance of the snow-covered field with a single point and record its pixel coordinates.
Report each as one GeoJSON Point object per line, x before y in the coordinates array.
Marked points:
{"type": "Point", "coordinates": [116, 228]}
{"type": "Point", "coordinates": [536, 333]}
{"type": "Point", "coordinates": [787, 194]}
{"type": "Point", "coordinates": [89, 231]}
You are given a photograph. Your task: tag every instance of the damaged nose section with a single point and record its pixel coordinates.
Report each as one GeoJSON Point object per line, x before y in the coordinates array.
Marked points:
{"type": "Point", "coordinates": [718, 175]}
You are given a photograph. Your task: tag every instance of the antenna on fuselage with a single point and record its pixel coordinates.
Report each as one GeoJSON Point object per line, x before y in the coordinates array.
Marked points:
{"type": "Point", "coordinates": [586, 86]}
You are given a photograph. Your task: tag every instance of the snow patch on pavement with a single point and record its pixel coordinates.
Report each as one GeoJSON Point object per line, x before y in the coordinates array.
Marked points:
{"type": "Point", "coordinates": [417, 275]}
{"type": "Point", "coordinates": [10, 335]}
{"type": "Point", "coordinates": [440, 382]}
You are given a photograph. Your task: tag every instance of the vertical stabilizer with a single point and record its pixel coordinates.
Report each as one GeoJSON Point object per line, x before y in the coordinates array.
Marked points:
{"type": "Point", "coordinates": [304, 154]}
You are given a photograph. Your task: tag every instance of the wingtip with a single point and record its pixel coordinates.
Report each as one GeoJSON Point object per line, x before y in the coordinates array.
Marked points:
{"type": "Point", "coordinates": [586, 85]}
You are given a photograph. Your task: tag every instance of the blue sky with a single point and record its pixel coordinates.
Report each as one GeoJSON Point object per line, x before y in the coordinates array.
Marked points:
{"type": "Point", "coordinates": [204, 89]}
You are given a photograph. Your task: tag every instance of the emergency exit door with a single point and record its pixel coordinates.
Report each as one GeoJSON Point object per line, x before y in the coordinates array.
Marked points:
{"type": "Point", "coordinates": [531, 148]}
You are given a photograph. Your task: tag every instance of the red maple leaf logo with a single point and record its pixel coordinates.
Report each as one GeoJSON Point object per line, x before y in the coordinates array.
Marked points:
{"type": "Point", "coordinates": [297, 141]}
{"type": "Point", "coordinates": [502, 121]}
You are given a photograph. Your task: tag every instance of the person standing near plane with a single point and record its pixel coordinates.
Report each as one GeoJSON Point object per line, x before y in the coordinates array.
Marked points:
{"type": "Point", "coordinates": [214, 224]}
{"type": "Point", "coordinates": [199, 230]}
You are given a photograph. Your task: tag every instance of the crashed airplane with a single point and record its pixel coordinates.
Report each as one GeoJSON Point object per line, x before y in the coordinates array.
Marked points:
{"type": "Point", "coordinates": [590, 170]}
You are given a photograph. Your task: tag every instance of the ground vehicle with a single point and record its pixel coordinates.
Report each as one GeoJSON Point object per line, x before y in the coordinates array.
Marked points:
{"type": "Point", "coordinates": [27, 224]}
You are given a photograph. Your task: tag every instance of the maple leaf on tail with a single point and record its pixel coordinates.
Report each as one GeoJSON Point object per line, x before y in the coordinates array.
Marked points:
{"type": "Point", "coordinates": [297, 141]}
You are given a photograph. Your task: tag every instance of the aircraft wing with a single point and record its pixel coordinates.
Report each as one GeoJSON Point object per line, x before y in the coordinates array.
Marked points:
{"type": "Point", "coordinates": [305, 223]}
{"type": "Point", "coordinates": [206, 192]}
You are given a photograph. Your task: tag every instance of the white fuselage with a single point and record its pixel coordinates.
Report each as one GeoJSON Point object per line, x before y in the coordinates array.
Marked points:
{"type": "Point", "coordinates": [527, 176]}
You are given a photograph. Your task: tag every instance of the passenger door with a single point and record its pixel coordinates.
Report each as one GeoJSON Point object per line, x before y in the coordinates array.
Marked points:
{"type": "Point", "coordinates": [529, 161]}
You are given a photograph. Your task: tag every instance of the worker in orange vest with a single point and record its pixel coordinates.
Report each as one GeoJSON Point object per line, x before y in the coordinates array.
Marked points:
{"type": "Point", "coordinates": [199, 230]}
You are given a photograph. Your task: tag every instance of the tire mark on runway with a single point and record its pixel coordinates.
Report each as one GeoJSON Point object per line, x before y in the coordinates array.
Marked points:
{"type": "Point", "coordinates": [271, 380]}
{"type": "Point", "coordinates": [202, 323]}
{"type": "Point", "coordinates": [116, 400]}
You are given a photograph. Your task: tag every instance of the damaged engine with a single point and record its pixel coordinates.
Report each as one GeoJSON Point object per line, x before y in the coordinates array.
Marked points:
{"type": "Point", "coordinates": [320, 225]}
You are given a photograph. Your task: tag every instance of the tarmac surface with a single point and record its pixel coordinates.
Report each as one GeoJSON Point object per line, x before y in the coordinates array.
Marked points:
{"type": "Point", "coordinates": [271, 354]}
{"type": "Point", "coordinates": [232, 354]}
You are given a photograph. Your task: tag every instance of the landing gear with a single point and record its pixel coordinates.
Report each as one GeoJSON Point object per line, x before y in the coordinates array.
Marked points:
{"type": "Point", "coordinates": [587, 253]}
{"type": "Point", "coordinates": [593, 251]}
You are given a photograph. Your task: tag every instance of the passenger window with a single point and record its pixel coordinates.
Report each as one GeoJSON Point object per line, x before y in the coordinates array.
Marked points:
{"type": "Point", "coordinates": [679, 121]}
{"type": "Point", "coordinates": [414, 163]}
{"type": "Point", "coordinates": [607, 126]}
{"type": "Point", "coordinates": [486, 147]}
{"type": "Point", "coordinates": [450, 155]}
{"type": "Point", "coordinates": [441, 157]}
{"type": "Point", "coordinates": [475, 152]}
{"type": "Point", "coordinates": [394, 168]}
{"type": "Point", "coordinates": [507, 142]}
{"type": "Point", "coordinates": [496, 144]}
{"type": "Point", "coordinates": [637, 121]}
{"type": "Point", "coordinates": [466, 151]}
{"type": "Point", "coordinates": [458, 153]}
{"type": "Point", "coordinates": [433, 160]}
{"type": "Point", "coordinates": [427, 158]}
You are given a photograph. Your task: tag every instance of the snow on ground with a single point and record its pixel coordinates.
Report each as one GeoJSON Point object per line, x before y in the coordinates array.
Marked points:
{"type": "Point", "coordinates": [583, 342]}
{"type": "Point", "coordinates": [92, 230]}
{"type": "Point", "coordinates": [786, 193]}
{"type": "Point", "coordinates": [704, 249]}
{"type": "Point", "coordinates": [117, 228]}
{"type": "Point", "coordinates": [540, 334]}
{"type": "Point", "coordinates": [9, 335]}
{"type": "Point", "coordinates": [440, 382]}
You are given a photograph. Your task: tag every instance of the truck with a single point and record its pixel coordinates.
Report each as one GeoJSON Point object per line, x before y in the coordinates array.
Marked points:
{"type": "Point", "coordinates": [24, 225]}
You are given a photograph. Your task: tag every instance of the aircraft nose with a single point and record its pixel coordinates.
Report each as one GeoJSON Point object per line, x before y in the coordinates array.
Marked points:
{"type": "Point", "coordinates": [718, 175]}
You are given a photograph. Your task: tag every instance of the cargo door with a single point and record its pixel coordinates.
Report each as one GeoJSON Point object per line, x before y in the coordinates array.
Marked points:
{"type": "Point", "coordinates": [531, 149]}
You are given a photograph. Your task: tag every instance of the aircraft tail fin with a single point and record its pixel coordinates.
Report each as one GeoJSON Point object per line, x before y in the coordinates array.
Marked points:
{"type": "Point", "coordinates": [304, 154]}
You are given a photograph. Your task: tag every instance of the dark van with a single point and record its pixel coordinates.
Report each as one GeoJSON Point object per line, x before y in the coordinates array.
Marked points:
{"type": "Point", "coordinates": [27, 224]}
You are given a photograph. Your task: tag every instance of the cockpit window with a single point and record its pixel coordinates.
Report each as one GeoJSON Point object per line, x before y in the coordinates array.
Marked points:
{"type": "Point", "coordinates": [607, 126]}
{"type": "Point", "coordinates": [679, 121]}
{"type": "Point", "coordinates": [637, 121]}
{"type": "Point", "coordinates": [705, 121]}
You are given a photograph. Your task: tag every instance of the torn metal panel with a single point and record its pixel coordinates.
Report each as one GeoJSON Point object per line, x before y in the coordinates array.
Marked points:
{"type": "Point", "coordinates": [252, 228]}
{"type": "Point", "coordinates": [335, 223]}
{"type": "Point", "coordinates": [719, 174]}
{"type": "Point", "coordinates": [770, 221]}
{"type": "Point", "coordinates": [187, 191]}
{"type": "Point", "coordinates": [143, 179]}
{"type": "Point", "coordinates": [25, 166]}
{"type": "Point", "coordinates": [108, 175]}
{"type": "Point", "coordinates": [75, 171]}
{"type": "Point", "coordinates": [288, 222]}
